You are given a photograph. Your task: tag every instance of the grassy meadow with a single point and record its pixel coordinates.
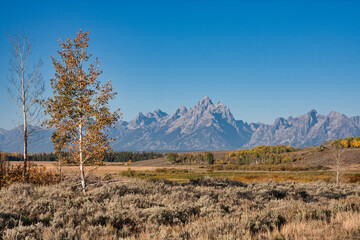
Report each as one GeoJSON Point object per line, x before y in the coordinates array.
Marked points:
{"type": "Point", "coordinates": [184, 175]}
{"type": "Point", "coordinates": [159, 199]}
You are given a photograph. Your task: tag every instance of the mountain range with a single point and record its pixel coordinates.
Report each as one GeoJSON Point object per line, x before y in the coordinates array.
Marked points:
{"type": "Point", "coordinates": [206, 126]}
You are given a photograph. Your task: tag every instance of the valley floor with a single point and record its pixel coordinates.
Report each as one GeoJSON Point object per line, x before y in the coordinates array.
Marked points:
{"type": "Point", "coordinates": [207, 208]}
{"type": "Point", "coordinates": [153, 199]}
{"type": "Point", "coordinates": [162, 169]}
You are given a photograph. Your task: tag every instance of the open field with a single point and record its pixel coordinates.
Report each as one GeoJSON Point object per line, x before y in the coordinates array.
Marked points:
{"type": "Point", "coordinates": [108, 168]}
{"type": "Point", "coordinates": [205, 208]}
{"type": "Point", "coordinates": [154, 199]}
{"type": "Point", "coordinates": [161, 169]}
{"type": "Point", "coordinates": [180, 175]}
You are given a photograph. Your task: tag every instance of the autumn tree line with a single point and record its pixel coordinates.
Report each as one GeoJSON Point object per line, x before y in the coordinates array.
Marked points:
{"type": "Point", "coordinates": [350, 142]}
{"type": "Point", "coordinates": [262, 155]}
{"type": "Point", "coordinates": [257, 155]}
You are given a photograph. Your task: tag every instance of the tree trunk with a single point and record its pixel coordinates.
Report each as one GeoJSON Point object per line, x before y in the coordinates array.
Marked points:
{"type": "Point", "coordinates": [59, 169]}
{"type": "Point", "coordinates": [82, 176]}
{"type": "Point", "coordinates": [339, 163]}
{"type": "Point", "coordinates": [25, 120]}
{"type": "Point", "coordinates": [82, 173]}
{"type": "Point", "coordinates": [25, 149]}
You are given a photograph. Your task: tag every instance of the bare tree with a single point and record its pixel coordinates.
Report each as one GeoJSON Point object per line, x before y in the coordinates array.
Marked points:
{"type": "Point", "coordinates": [339, 163]}
{"type": "Point", "coordinates": [25, 86]}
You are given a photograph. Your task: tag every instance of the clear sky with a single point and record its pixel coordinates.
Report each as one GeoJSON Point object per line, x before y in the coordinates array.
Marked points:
{"type": "Point", "coordinates": [262, 59]}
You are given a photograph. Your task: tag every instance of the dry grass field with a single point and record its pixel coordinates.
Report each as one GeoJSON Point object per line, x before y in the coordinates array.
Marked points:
{"type": "Point", "coordinates": [206, 208]}
{"type": "Point", "coordinates": [154, 199]}
{"type": "Point", "coordinates": [161, 169]}
{"type": "Point", "coordinates": [107, 168]}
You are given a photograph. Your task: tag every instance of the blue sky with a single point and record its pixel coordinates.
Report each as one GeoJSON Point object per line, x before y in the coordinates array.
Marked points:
{"type": "Point", "coordinates": [263, 59]}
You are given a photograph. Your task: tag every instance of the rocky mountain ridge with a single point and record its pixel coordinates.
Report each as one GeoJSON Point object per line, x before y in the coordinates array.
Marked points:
{"type": "Point", "coordinates": [206, 126]}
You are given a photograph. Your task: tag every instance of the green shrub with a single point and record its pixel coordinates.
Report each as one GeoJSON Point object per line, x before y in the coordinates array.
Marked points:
{"type": "Point", "coordinates": [171, 157]}
{"type": "Point", "coordinates": [209, 158]}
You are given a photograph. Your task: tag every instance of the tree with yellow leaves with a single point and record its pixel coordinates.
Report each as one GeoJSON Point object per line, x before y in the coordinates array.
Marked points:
{"type": "Point", "coordinates": [79, 109]}
{"type": "Point", "coordinates": [355, 143]}
{"type": "Point", "coordinates": [345, 143]}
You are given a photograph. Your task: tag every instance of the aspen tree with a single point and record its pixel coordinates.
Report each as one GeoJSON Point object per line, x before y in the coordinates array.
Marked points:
{"type": "Point", "coordinates": [25, 88]}
{"type": "Point", "coordinates": [79, 109]}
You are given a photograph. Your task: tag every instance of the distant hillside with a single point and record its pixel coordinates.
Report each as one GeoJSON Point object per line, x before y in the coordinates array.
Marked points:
{"type": "Point", "coordinates": [206, 126]}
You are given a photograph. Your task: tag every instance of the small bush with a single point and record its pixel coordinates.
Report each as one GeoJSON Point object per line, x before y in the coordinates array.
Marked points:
{"type": "Point", "coordinates": [171, 157]}
{"type": "Point", "coordinates": [128, 173]}
{"type": "Point", "coordinates": [34, 175]}
{"type": "Point", "coordinates": [353, 178]}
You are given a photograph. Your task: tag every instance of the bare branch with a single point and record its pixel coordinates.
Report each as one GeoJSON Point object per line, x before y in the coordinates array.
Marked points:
{"type": "Point", "coordinates": [25, 87]}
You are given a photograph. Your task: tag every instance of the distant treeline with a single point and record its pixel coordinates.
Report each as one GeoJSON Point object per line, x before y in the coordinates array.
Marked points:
{"type": "Point", "coordinates": [263, 154]}
{"type": "Point", "coordinates": [31, 156]}
{"type": "Point", "coordinates": [110, 157]}
{"type": "Point", "coordinates": [350, 142]}
{"type": "Point", "coordinates": [133, 156]}
{"type": "Point", "coordinates": [257, 155]}
{"type": "Point", "coordinates": [190, 158]}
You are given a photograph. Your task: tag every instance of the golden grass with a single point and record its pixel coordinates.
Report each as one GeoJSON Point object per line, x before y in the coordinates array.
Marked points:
{"type": "Point", "coordinates": [182, 173]}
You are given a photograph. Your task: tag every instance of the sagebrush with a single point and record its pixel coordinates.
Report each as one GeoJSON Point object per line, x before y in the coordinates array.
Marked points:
{"type": "Point", "coordinates": [199, 209]}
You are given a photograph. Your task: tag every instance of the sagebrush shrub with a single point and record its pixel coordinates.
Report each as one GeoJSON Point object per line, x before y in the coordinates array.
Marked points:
{"type": "Point", "coordinates": [159, 209]}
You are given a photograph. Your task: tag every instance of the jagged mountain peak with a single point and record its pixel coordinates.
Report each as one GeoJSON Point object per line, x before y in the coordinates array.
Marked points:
{"type": "Point", "coordinates": [312, 117]}
{"type": "Point", "coordinates": [140, 115]}
{"type": "Point", "coordinates": [279, 121]}
{"type": "Point", "coordinates": [335, 114]}
{"type": "Point", "coordinates": [312, 113]}
{"type": "Point", "coordinates": [160, 113]}
{"type": "Point", "coordinates": [156, 114]}
{"type": "Point", "coordinates": [141, 120]}
{"type": "Point", "coordinates": [309, 119]}
{"type": "Point", "coordinates": [205, 102]}
{"type": "Point", "coordinates": [219, 104]}
{"type": "Point", "coordinates": [181, 110]}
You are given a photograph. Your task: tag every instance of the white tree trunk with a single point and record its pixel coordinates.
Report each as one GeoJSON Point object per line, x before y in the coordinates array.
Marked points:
{"type": "Point", "coordinates": [339, 164]}
{"type": "Point", "coordinates": [59, 169]}
{"type": "Point", "coordinates": [82, 172]}
{"type": "Point", "coordinates": [25, 122]}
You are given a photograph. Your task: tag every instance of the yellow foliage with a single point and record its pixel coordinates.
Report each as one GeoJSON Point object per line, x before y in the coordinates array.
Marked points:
{"type": "Point", "coordinates": [345, 143]}
{"type": "Point", "coordinates": [355, 143]}
{"type": "Point", "coordinates": [35, 175]}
